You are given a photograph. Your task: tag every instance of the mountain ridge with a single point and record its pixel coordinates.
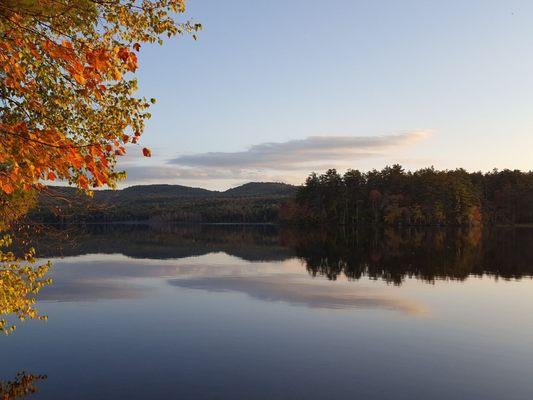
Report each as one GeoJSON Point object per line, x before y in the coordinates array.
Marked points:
{"type": "Point", "coordinates": [246, 189]}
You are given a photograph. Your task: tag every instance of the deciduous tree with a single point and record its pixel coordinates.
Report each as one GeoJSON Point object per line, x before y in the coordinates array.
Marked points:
{"type": "Point", "coordinates": [67, 86]}
{"type": "Point", "coordinates": [68, 107]}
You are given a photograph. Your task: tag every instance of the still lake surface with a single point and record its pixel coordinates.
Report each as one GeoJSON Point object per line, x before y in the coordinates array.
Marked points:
{"type": "Point", "coordinates": [254, 312]}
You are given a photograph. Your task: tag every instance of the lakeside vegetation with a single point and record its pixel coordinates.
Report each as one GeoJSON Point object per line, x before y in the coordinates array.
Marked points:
{"type": "Point", "coordinates": [387, 197]}
{"type": "Point", "coordinates": [255, 202]}
{"type": "Point", "coordinates": [427, 196]}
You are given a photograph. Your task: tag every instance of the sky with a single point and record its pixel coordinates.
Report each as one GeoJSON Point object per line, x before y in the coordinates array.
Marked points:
{"type": "Point", "coordinates": [273, 90]}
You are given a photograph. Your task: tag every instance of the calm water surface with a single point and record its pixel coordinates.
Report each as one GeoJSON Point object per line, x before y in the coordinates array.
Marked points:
{"type": "Point", "coordinates": [256, 313]}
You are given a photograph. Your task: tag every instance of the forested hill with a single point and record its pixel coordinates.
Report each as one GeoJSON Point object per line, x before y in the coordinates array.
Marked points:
{"type": "Point", "coordinates": [261, 189]}
{"type": "Point", "coordinates": [250, 203]}
{"type": "Point", "coordinates": [134, 192]}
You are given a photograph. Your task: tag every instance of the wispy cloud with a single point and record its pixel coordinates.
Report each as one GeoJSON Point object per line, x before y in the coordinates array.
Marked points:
{"type": "Point", "coordinates": [288, 161]}
{"type": "Point", "coordinates": [296, 154]}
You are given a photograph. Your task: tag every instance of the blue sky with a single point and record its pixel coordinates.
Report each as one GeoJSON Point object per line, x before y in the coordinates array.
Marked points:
{"type": "Point", "coordinates": [422, 83]}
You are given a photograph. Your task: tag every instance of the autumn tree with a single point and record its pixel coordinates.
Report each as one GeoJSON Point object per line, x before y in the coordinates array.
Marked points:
{"type": "Point", "coordinates": [67, 86]}
{"type": "Point", "coordinates": [68, 107]}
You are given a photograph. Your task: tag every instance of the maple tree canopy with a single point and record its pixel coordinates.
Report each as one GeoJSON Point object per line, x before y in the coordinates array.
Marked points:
{"type": "Point", "coordinates": [67, 104]}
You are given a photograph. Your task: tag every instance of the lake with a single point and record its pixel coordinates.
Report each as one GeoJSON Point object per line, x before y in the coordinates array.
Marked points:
{"type": "Point", "coordinates": [258, 312]}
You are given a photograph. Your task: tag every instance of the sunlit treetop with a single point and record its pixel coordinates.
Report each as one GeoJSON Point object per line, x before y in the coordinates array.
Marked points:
{"type": "Point", "coordinates": [67, 104]}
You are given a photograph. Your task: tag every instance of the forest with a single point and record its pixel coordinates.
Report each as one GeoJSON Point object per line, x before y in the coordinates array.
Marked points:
{"type": "Point", "coordinates": [426, 197]}
{"type": "Point", "coordinates": [254, 202]}
{"type": "Point", "coordinates": [387, 197]}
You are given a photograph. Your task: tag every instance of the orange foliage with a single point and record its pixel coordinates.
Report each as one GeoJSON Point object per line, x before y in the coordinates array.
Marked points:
{"type": "Point", "coordinates": [67, 90]}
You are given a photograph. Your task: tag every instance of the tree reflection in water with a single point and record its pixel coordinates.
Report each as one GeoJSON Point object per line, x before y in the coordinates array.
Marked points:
{"type": "Point", "coordinates": [426, 254]}
{"type": "Point", "coordinates": [21, 387]}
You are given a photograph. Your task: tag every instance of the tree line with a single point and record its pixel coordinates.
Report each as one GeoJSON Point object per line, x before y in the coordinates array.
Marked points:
{"type": "Point", "coordinates": [393, 196]}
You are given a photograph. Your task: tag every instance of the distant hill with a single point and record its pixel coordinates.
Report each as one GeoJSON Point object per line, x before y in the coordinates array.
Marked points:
{"type": "Point", "coordinates": [140, 192]}
{"type": "Point", "coordinates": [165, 190]}
{"type": "Point", "coordinates": [262, 189]}
{"type": "Point", "coordinates": [247, 190]}
{"type": "Point", "coordinates": [252, 202]}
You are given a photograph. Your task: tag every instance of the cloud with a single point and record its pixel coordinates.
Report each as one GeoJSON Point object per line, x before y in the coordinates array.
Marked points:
{"type": "Point", "coordinates": [208, 178]}
{"type": "Point", "coordinates": [296, 154]}
{"type": "Point", "coordinates": [288, 161]}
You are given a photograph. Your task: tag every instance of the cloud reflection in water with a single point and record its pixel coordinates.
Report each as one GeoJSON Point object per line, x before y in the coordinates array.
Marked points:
{"type": "Point", "coordinates": [90, 278]}
{"type": "Point", "coordinates": [294, 291]}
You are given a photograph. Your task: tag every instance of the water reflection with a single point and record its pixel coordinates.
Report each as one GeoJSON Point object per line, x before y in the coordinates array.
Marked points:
{"type": "Point", "coordinates": [291, 290]}
{"type": "Point", "coordinates": [248, 242]}
{"type": "Point", "coordinates": [391, 255]}
{"type": "Point", "coordinates": [224, 258]}
{"type": "Point", "coordinates": [242, 311]}
{"type": "Point", "coordinates": [425, 254]}
{"type": "Point", "coordinates": [98, 277]}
